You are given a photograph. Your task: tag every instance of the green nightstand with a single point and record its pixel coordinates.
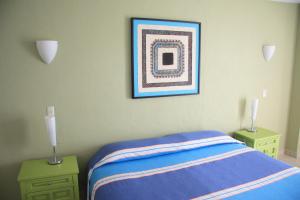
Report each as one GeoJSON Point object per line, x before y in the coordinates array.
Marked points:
{"type": "Point", "coordinates": [40, 181]}
{"type": "Point", "coordinates": [262, 140]}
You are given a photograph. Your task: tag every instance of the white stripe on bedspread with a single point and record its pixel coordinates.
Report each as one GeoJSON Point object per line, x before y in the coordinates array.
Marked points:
{"type": "Point", "coordinates": [148, 150]}
{"type": "Point", "coordinates": [132, 175]}
{"type": "Point", "coordinates": [250, 186]}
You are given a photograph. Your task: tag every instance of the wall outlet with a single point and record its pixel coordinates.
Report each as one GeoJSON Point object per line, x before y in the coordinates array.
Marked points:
{"type": "Point", "coordinates": [50, 111]}
{"type": "Point", "coordinates": [264, 93]}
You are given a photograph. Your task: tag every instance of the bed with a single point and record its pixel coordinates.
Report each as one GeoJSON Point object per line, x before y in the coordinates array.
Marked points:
{"type": "Point", "coordinates": [196, 165]}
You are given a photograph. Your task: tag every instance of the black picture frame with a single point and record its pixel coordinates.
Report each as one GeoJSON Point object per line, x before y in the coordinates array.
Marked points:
{"type": "Point", "coordinates": [135, 48]}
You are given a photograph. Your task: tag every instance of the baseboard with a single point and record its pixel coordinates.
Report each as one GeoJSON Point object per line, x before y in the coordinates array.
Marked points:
{"type": "Point", "coordinates": [281, 152]}
{"type": "Point", "coordinates": [291, 153]}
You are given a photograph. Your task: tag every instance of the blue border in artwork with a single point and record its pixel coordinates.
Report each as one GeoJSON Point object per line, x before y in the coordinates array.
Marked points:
{"type": "Point", "coordinates": [135, 23]}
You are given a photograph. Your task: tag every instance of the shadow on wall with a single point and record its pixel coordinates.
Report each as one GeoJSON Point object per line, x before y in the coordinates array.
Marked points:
{"type": "Point", "coordinates": [8, 174]}
{"type": "Point", "coordinates": [128, 63]}
{"type": "Point", "coordinates": [242, 111]}
{"type": "Point", "coordinates": [28, 46]}
{"type": "Point", "coordinates": [13, 138]}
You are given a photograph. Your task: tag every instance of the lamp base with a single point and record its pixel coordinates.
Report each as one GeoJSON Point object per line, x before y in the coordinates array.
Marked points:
{"type": "Point", "coordinates": [55, 161]}
{"type": "Point", "coordinates": [252, 129]}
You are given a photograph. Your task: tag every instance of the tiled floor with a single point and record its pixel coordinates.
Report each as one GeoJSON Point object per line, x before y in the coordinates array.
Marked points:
{"type": "Point", "coordinates": [290, 160]}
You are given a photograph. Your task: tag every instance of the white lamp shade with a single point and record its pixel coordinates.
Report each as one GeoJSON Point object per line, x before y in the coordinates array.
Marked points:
{"type": "Point", "coordinates": [51, 128]}
{"type": "Point", "coordinates": [254, 108]}
{"type": "Point", "coordinates": [268, 51]}
{"type": "Point", "coordinates": [47, 49]}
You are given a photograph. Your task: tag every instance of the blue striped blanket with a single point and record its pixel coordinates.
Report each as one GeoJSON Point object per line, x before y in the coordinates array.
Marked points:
{"type": "Point", "coordinates": [197, 165]}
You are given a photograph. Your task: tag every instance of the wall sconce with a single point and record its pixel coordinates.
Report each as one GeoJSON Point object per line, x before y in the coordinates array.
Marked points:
{"type": "Point", "coordinates": [47, 49]}
{"type": "Point", "coordinates": [268, 51]}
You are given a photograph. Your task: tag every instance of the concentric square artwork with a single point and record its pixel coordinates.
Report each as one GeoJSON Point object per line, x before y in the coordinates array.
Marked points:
{"type": "Point", "coordinates": [165, 57]}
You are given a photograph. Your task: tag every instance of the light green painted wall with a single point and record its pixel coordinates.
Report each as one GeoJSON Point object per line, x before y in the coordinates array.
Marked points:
{"type": "Point", "coordinates": [89, 81]}
{"type": "Point", "coordinates": [294, 115]}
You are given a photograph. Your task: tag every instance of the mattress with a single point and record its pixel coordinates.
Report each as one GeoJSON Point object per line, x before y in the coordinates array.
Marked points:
{"type": "Point", "coordinates": [196, 165]}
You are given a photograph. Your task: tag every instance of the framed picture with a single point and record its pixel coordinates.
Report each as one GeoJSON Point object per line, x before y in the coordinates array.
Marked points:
{"type": "Point", "coordinates": [165, 57]}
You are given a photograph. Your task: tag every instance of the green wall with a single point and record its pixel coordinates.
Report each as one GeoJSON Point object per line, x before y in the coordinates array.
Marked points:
{"type": "Point", "coordinates": [294, 116]}
{"type": "Point", "coordinates": [89, 81]}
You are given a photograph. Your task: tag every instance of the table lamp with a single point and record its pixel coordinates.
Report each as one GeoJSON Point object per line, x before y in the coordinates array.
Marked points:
{"type": "Point", "coordinates": [254, 108]}
{"type": "Point", "coordinates": [51, 128]}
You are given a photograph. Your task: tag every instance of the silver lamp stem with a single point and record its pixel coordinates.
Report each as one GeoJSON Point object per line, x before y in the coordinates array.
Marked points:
{"type": "Point", "coordinates": [54, 160]}
{"type": "Point", "coordinates": [54, 153]}
{"type": "Point", "coordinates": [252, 129]}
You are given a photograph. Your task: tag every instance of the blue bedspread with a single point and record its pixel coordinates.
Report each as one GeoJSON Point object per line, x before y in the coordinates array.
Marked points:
{"type": "Point", "coordinates": [198, 165]}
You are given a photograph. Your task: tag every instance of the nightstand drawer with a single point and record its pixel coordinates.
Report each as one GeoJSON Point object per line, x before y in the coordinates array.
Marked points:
{"type": "Point", "coordinates": [41, 184]}
{"type": "Point", "coordinates": [66, 193]}
{"type": "Point", "coordinates": [39, 196]}
{"type": "Point", "coordinates": [270, 150]}
{"type": "Point", "coordinates": [267, 141]}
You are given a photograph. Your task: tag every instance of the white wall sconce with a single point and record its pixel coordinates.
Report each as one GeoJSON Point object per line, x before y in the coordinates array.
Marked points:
{"type": "Point", "coordinates": [47, 49]}
{"type": "Point", "coordinates": [268, 51]}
